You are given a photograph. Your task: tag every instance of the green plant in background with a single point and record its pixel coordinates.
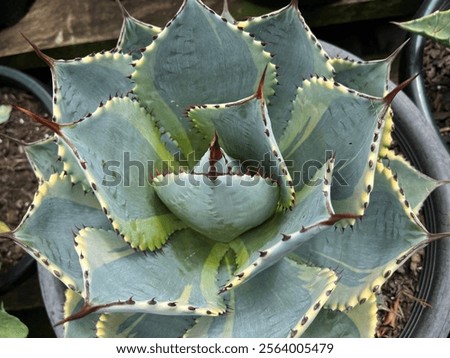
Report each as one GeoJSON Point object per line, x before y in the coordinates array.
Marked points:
{"type": "Point", "coordinates": [434, 26]}
{"type": "Point", "coordinates": [10, 326]}
{"type": "Point", "coordinates": [217, 178]}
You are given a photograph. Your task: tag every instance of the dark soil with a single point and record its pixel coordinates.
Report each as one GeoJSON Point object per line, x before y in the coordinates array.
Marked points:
{"type": "Point", "coordinates": [437, 84]}
{"type": "Point", "coordinates": [398, 296]}
{"type": "Point", "coordinates": [17, 180]}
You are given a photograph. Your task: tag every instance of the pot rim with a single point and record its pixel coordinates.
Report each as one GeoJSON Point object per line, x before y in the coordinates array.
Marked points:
{"type": "Point", "coordinates": [15, 78]}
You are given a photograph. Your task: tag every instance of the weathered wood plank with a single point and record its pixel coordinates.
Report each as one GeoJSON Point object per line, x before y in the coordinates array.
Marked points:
{"type": "Point", "coordinates": [58, 23]}
{"type": "Point", "coordinates": [66, 28]}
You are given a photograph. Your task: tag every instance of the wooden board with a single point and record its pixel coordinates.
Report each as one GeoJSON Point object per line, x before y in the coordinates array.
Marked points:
{"type": "Point", "coordinates": [66, 29]}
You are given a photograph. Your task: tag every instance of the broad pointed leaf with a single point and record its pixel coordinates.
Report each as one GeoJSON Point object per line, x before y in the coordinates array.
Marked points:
{"type": "Point", "coordinates": [369, 77]}
{"type": "Point", "coordinates": [245, 133]}
{"type": "Point", "coordinates": [434, 26]}
{"type": "Point", "coordinates": [135, 35]}
{"type": "Point", "coordinates": [80, 85]}
{"type": "Point", "coordinates": [359, 322]}
{"type": "Point", "coordinates": [220, 209]}
{"type": "Point", "coordinates": [58, 211]}
{"type": "Point", "coordinates": [43, 156]}
{"type": "Point", "coordinates": [176, 72]}
{"type": "Point", "coordinates": [330, 118]}
{"type": "Point", "coordinates": [180, 280]}
{"type": "Point", "coordinates": [142, 325]}
{"type": "Point", "coordinates": [297, 55]}
{"type": "Point", "coordinates": [84, 327]}
{"type": "Point", "coordinates": [260, 248]}
{"type": "Point", "coordinates": [415, 185]}
{"type": "Point", "coordinates": [372, 78]}
{"type": "Point", "coordinates": [53, 155]}
{"type": "Point", "coordinates": [287, 297]}
{"type": "Point", "coordinates": [367, 254]}
{"type": "Point", "coordinates": [10, 326]}
{"type": "Point", "coordinates": [121, 175]}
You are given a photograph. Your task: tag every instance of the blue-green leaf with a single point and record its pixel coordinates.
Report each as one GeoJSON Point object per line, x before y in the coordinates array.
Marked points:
{"type": "Point", "coordinates": [372, 78]}
{"type": "Point", "coordinates": [54, 156]}
{"type": "Point", "coordinates": [71, 165]}
{"type": "Point", "coordinates": [58, 211]}
{"type": "Point", "coordinates": [121, 175]}
{"type": "Point", "coordinates": [179, 280]}
{"type": "Point", "coordinates": [415, 185]}
{"type": "Point", "coordinates": [135, 35]}
{"type": "Point", "coordinates": [368, 253]}
{"type": "Point", "coordinates": [369, 77]}
{"type": "Point", "coordinates": [260, 248]}
{"type": "Point", "coordinates": [297, 55]}
{"type": "Point", "coordinates": [280, 302]}
{"type": "Point", "coordinates": [80, 85]}
{"type": "Point", "coordinates": [245, 133]}
{"type": "Point", "coordinates": [43, 156]}
{"type": "Point", "coordinates": [330, 118]}
{"type": "Point", "coordinates": [220, 208]}
{"type": "Point", "coordinates": [176, 72]}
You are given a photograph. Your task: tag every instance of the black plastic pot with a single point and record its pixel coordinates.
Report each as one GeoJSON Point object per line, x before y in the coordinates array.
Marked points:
{"type": "Point", "coordinates": [14, 78]}
{"type": "Point", "coordinates": [420, 142]}
{"type": "Point", "coordinates": [438, 254]}
{"type": "Point", "coordinates": [17, 79]}
{"type": "Point", "coordinates": [17, 274]}
{"type": "Point", "coordinates": [411, 61]}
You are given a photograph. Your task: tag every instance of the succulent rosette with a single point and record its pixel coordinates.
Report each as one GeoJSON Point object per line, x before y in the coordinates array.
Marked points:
{"type": "Point", "coordinates": [221, 178]}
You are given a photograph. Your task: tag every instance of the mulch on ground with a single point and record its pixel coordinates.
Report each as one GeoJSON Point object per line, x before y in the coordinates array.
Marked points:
{"type": "Point", "coordinates": [17, 180]}
{"type": "Point", "coordinates": [437, 84]}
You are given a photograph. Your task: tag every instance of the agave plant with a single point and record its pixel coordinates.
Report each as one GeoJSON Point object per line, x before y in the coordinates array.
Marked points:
{"type": "Point", "coordinates": [218, 178]}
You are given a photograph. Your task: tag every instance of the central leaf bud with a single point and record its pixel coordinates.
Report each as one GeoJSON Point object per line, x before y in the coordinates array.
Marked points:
{"type": "Point", "coordinates": [216, 199]}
